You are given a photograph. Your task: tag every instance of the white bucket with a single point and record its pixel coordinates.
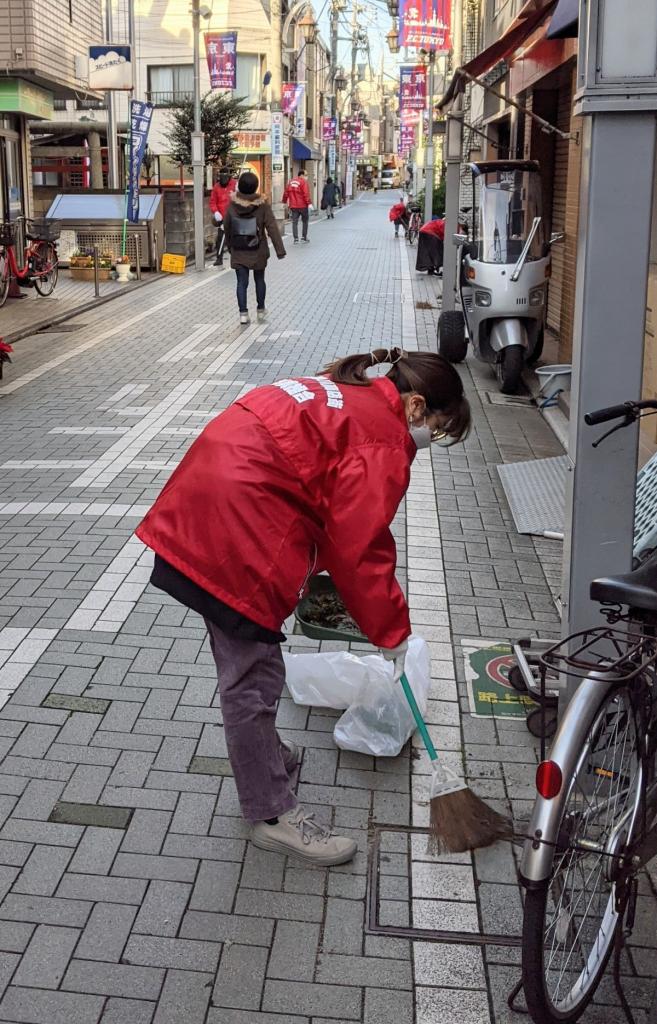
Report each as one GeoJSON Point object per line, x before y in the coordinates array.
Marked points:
{"type": "Point", "coordinates": [554, 379]}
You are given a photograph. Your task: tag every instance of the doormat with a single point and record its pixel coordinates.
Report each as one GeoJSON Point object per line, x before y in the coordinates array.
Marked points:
{"type": "Point", "coordinates": [490, 694]}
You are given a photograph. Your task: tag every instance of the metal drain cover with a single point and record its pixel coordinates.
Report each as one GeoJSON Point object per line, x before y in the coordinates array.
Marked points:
{"type": "Point", "coordinates": [61, 328]}
{"type": "Point", "coordinates": [497, 398]}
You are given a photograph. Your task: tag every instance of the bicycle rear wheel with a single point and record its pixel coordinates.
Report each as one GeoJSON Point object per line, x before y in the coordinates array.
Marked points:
{"type": "Point", "coordinates": [570, 921]}
{"type": "Point", "coordinates": [5, 276]}
{"type": "Point", "coordinates": [46, 268]}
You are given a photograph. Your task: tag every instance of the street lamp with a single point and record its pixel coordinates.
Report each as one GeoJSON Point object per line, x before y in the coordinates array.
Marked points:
{"type": "Point", "coordinates": [340, 81]}
{"type": "Point", "coordinates": [198, 139]}
{"type": "Point", "coordinates": [393, 7]}
{"type": "Point", "coordinates": [393, 39]}
{"type": "Point", "coordinates": [308, 27]}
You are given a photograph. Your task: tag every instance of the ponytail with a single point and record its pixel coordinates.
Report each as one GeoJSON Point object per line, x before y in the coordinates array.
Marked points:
{"type": "Point", "coordinates": [422, 373]}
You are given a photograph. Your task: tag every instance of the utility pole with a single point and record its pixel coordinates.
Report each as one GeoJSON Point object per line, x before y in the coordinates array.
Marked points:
{"type": "Point", "coordinates": [617, 99]}
{"type": "Point", "coordinates": [110, 103]}
{"type": "Point", "coordinates": [429, 152]}
{"type": "Point", "coordinates": [198, 149]}
{"type": "Point", "coordinates": [453, 157]}
{"type": "Point", "coordinates": [275, 65]}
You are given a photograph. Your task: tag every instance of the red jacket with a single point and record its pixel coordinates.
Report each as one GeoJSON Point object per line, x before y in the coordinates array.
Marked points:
{"type": "Point", "coordinates": [397, 212]}
{"type": "Point", "coordinates": [221, 196]}
{"type": "Point", "coordinates": [434, 227]}
{"type": "Point", "coordinates": [297, 194]}
{"type": "Point", "coordinates": [295, 477]}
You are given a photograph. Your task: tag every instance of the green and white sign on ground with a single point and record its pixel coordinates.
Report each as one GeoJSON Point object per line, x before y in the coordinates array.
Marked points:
{"type": "Point", "coordinates": [490, 693]}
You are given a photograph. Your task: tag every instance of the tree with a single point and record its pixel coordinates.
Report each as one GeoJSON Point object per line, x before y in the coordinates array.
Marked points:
{"type": "Point", "coordinates": [221, 117]}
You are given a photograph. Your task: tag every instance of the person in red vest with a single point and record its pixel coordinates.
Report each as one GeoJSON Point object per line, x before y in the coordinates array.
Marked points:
{"type": "Point", "coordinates": [221, 195]}
{"type": "Point", "coordinates": [297, 477]}
{"type": "Point", "coordinates": [398, 214]}
{"type": "Point", "coordinates": [431, 246]}
{"type": "Point", "coordinates": [297, 197]}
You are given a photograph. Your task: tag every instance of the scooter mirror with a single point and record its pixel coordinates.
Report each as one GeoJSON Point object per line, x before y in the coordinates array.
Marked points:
{"type": "Point", "coordinates": [459, 239]}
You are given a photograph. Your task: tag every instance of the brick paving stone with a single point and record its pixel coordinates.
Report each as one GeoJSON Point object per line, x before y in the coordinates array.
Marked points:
{"type": "Point", "coordinates": [180, 954]}
{"type": "Point", "coordinates": [99, 977]}
{"type": "Point", "coordinates": [215, 886]}
{"type": "Point", "coordinates": [43, 871]}
{"type": "Point", "coordinates": [240, 977]}
{"type": "Point", "coordinates": [45, 910]}
{"type": "Point", "coordinates": [333, 1001]}
{"type": "Point", "coordinates": [38, 1006]}
{"type": "Point", "coordinates": [343, 926]}
{"type": "Point", "coordinates": [15, 936]}
{"type": "Point", "coordinates": [294, 952]}
{"type": "Point", "coordinates": [46, 958]}
{"type": "Point", "coordinates": [185, 997]}
{"type": "Point", "coordinates": [251, 931]}
{"type": "Point", "coordinates": [224, 1016]}
{"type": "Point", "coordinates": [128, 1011]}
{"type": "Point", "coordinates": [146, 832]}
{"type": "Point", "coordinates": [385, 1007]}
{"type": "Point", "coordinates": [162, 909]}
{"type": "Point", "coordinates": [357, 970]}
{"type": "Point", "coordinates": [106, 932]}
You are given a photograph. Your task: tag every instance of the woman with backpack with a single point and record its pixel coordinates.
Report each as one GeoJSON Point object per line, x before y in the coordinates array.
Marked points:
{"type": "Point", "coordinates": [248, 220]}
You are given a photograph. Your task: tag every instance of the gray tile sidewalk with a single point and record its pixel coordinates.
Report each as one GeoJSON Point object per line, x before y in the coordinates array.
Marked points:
{"type": "Point", "coordinates": [161, 911]}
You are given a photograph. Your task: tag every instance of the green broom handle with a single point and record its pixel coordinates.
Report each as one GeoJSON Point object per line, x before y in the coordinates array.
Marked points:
{"type": "Point", "coordinates": [419, 721]}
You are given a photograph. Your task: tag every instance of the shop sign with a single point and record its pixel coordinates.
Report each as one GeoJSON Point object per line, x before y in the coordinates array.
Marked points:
{"type": "Point", "coordinates": [20, 97]}
{"type": "Point", "coordinates": [253, 143]}
{"type": "Point", "coordinates": [110, 67]}
{"type": "Point", "coordinates": [425, 24]}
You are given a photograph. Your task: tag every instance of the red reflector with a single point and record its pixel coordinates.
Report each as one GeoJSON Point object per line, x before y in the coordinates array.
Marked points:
{"type": "Point", "coordinates": [548, 779]}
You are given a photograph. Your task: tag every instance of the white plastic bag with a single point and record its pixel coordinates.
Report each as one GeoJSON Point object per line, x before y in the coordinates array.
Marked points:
{"type": "Point", "coordinates": [380, 721]}
{"type": "Point", "coordinates": [329, 680]}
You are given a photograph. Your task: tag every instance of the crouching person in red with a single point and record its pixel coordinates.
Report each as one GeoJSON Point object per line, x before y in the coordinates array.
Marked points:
{"type": "Point", "coordinates": [398, 214]}
{"type": "Point", "coordinates": [296, 477]}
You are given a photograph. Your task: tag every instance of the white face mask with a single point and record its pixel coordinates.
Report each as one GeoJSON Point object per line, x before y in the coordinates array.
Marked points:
{"type": "Point", "coordinates": [420, 434]}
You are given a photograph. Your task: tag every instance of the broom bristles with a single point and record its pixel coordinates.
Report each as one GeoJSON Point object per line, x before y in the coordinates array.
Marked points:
{"type": "Point", "coordinates": [461, 821]}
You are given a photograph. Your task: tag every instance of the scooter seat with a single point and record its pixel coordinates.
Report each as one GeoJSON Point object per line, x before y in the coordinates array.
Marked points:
{"type": "Point", "coordinates": [637, 589]}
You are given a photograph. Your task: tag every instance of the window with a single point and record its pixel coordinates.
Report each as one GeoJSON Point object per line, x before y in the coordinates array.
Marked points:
{"type": "Point", "coordinates": [172, 84]}
{"type": "Point", "coordinates": [248, 78]}
{"type": "Point", "coordinates": [58, 103]}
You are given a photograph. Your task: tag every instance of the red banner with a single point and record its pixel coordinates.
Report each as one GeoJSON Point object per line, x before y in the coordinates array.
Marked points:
{"type": "Point", "coordinates": [221, 53]}
{"type": "Point", "coordinates": [292, 96]}
{"type": "Point", "coordinates": [413, 88]}
{"type": "Point", "coordinates": [425, 24]}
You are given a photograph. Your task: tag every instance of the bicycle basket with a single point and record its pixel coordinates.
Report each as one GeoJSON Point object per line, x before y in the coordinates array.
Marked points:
{"type": "Point", "coordinates": [44, 230]}
{"type": "Point", "coordinates": [414, 208]}
{"type": "Point", "coordinates": [7, 234]}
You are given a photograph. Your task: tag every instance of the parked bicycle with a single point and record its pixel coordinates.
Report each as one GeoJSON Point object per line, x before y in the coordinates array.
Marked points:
{"type": "Point", "coordinates": [414, 224]}
{"type": "Point", "coordinates": [40, 260]}
{"type": "Point", "coordinates": [594, 825]}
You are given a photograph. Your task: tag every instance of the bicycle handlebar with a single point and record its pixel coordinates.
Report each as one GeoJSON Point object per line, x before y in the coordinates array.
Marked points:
{"type": "Point", "coordinates": [628, 410]}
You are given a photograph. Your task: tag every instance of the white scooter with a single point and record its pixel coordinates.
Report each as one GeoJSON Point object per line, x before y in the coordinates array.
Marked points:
{"type": "Point", "coordinates": [504, 269]}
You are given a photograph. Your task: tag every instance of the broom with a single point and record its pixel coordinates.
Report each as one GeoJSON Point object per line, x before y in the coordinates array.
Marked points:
{"type": "Point", "coordinates": [459, 819]}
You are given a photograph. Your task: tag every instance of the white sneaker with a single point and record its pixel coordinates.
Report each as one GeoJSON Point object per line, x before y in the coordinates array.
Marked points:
{"type": "Point", "coordinates": [292, 755]}
{"type": "Point", "coordinates": [299, 835]}
{"type": "Point", "coordinates": [262, 315]}
{"type": "Point", "coordinates": [244, 318]}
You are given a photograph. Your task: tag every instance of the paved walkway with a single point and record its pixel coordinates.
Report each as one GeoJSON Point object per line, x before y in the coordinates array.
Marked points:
{"type": "Point", "coordinates": [129, 893]}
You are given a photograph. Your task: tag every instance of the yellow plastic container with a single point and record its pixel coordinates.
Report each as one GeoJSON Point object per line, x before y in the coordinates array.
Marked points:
{"type": "Point", "coordinates": [172, 263]}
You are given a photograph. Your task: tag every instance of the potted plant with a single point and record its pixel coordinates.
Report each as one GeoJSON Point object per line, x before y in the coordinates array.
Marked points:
{"type": "Point", "coordinates": [81, 265]}
{"type": "Point", "coordinates": [122, 265]}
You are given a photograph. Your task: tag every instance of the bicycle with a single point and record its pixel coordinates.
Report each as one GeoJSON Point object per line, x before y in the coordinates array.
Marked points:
{"type": "Point", "coordinates": [414, 225]}
{"type": "Point", "coordinates": [594, 824]}
{"type": "Point", "coordinates": [40, 260]}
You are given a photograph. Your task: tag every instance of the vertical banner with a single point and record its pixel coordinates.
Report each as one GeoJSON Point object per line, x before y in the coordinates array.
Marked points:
{"type": "Point", "coordinates": [332, 157]}
{"type": "Point", "coordinates": [413, 88]}
{"type": "Point", "coordinates": [292, 96]}
{"type": "Point", "coordinates": [425, 24]}
{"type": "Point", "coordinates": [140, 122]}
{"type": "Point", "coordinates": [221, 53]}
{"type": "Point", "coordinates": [329, 128]}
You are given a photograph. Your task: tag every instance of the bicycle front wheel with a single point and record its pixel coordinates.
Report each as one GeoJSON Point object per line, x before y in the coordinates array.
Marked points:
{"type": "Point", "coordinates": [570, 922]}
{"type": "Point", "coordinates": [5, 276]}
{"type": "Point", "coordinates": [46, 268]}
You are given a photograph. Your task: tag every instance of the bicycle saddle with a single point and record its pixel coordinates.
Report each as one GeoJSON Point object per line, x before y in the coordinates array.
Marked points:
{"type": "Point", "coordinates": [638, 589]}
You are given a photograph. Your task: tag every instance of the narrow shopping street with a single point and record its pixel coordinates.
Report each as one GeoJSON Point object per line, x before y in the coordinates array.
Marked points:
{"type": "Point", "coordinates": [129, 893]}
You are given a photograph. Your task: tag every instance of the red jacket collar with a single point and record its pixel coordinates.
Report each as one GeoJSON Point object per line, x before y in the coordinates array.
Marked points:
{"type": "Point", "coordinates": [392, 396]}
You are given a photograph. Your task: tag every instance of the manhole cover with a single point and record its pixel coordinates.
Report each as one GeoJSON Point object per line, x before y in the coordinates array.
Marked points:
{"type": "Point", "coordinates": [61, 328]}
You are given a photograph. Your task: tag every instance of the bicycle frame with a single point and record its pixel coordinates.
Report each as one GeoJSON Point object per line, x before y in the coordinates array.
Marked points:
{"type": "Point", "coordinates": [11, 268]}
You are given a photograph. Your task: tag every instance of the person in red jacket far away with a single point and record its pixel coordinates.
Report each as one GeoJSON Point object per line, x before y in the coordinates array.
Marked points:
{"type": "Point", "coordinates": [398, 214]}
{"type": "Point", "coordinates": [294, 478]}
{"type": "Point", "coordinates": [221, 195]}
{"type": "Point", "coordinates": [297, 197]}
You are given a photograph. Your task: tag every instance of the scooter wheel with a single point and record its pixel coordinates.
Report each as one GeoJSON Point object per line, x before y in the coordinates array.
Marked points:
{"type": "Point", "coordinates": [452, 342]}
{"type": "Point", "coordinates": [517, 679]}
{"type": "Point", "coordinates": [510, 367]}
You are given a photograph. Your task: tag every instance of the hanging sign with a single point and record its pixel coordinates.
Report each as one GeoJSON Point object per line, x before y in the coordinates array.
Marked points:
{"type": "Point", "coordinates": [413, 88]}
{"type": "Point", "coordinates": [140, 122]}
{"type": "Point", "coordinates": [221, 53]}
{"type": "Point", "coordinates": [425, 24]}
{"type": "Point", "coordinates": [329, 128]}
{"type": "Point", "coordinates": [292, 96]}
{"type": "Point", "coordinates": [332, 157]}
{"type": "Point", "coordinates": [110, 67]}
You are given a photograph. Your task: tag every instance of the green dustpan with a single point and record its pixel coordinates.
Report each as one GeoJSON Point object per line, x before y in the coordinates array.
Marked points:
{"type": "Point", "coordinates": [323, 585]}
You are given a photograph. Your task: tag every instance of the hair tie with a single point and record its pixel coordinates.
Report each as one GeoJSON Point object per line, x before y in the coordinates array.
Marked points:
{"type": "Point", "coordinates": [400, 355]}
{"type": "Point", "coordinates": [375, 361]}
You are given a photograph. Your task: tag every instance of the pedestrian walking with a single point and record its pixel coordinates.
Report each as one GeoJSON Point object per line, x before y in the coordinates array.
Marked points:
{"type": "Point", "coordinates": [222, 192]}
{"type": "Point", "coordinates": [294, 478]}
{"type": "Point", "coordinates": [297, 197]}
{"type": "Point", "coordinates": [330, 198]}
{"type": "Point", "coordinates": [431, 246]}
{"type": "Point", "coordinates": [249, 219]}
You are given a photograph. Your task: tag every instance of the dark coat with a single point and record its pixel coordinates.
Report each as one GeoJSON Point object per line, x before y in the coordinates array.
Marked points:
{"type": "Point", "coordinates": [330, 195]}
{"type": "Point", "coordinates": [249, 206]}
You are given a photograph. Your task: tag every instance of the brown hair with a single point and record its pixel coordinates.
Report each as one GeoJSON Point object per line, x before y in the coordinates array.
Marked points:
{"type": "Point", "coordinates": [422, 373]}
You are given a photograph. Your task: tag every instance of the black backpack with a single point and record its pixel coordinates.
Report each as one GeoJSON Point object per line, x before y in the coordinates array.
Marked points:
{"type": "Point", "coordinates": [245, 233]}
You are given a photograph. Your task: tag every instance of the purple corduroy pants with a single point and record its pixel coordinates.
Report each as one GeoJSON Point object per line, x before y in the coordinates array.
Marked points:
{"type": "Point", "coordinates": [251, 677]}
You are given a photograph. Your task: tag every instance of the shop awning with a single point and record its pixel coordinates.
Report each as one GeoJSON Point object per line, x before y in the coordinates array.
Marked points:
{"type": "Point", "coordinates": [300, 151]}
{"type": "Point", "coordinates": [521, 28]}
{"type": "Point", "coordinates": [565, 20]}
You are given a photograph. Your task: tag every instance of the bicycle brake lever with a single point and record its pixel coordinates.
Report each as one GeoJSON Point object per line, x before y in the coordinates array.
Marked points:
{"type": "Point", "coordinates": [619, 426]}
